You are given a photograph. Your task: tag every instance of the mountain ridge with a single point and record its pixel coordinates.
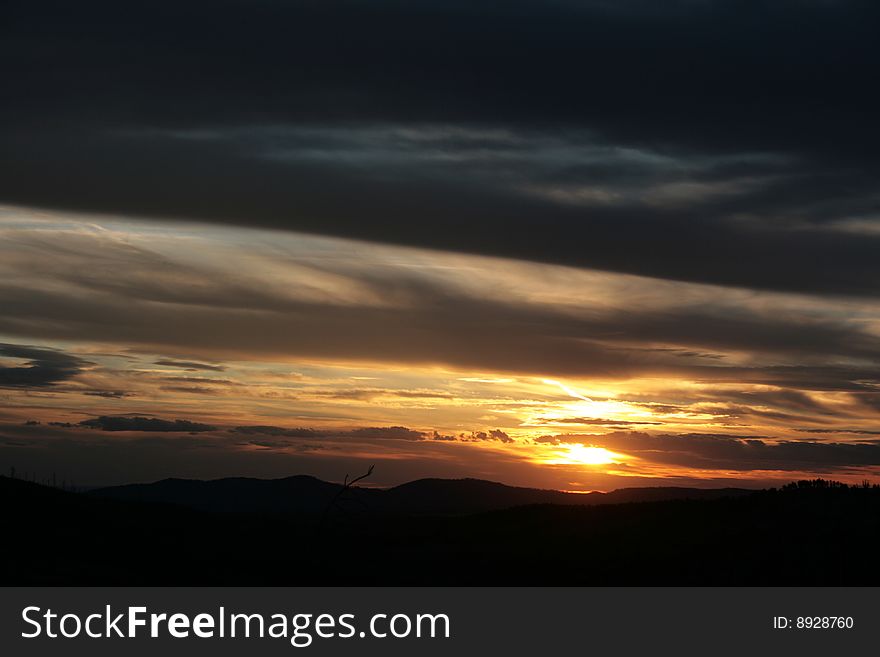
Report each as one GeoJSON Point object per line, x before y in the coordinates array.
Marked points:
{"type": "Point", "coordinates": [769, 537]}
{"type": "Point", "coordinates": [311, 495]}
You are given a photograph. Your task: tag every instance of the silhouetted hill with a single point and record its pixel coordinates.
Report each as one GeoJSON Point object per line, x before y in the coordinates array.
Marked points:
{"type": "Point", "coordinates": [303, 494]}
{"type": "Point", "coordinates": [298, 494]}
{"type": "Point", "coordinates": [803, 535]}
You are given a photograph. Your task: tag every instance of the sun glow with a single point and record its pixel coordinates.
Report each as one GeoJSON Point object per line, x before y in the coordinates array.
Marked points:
{"type": "Point", "coordinates": [578, 454]}
{"type": "Point", "coordinates": [589, 408]}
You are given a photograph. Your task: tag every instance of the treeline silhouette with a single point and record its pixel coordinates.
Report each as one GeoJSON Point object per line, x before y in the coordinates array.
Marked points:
{"type": "Point", "coordinates": [825, 484]}
{"type": "Point", "coordinates": [46, 480]}
{"type": "Point", "coordinates": [815, 532]}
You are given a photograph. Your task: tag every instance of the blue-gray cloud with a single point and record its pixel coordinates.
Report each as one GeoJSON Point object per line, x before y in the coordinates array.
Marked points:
{"type": "Point", "coordinates": [41, 367]}
{"type": "Point", "coordinates": [723, 142]}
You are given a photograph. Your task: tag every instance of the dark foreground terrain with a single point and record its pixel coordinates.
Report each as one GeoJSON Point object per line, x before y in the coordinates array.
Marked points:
{"type": "Point", "coordinates": [812, 534]}
{"type": "Point", "coordinates": [308, 495]}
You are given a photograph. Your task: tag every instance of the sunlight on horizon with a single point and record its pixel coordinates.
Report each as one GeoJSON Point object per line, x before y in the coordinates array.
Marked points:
{"type": "Point", "coordinates": [579, 454]}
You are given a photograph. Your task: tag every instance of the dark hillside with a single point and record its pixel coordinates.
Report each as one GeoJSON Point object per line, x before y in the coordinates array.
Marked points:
{"type": "Point", "coordinates": [798, 536]}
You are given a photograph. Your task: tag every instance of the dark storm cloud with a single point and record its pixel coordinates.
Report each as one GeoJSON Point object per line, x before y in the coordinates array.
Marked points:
{"type": "Point", "coordinates": [709, 141]}
{"type": "Point", "coordinates": [138, 423]}
{"type": "Point", "coordinates": [41, 367]}
{"type": "Point", "coordinates": [716, 451]}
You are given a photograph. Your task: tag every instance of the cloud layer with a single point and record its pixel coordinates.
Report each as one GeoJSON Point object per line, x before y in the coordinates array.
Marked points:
{"type": "Point", "coordinates": [250, 294]}
{"type": "Point", "coordinates": [728, 143]}
{"type": "Point", "coordinates": [40, 367]}
{"type": "Point", "coordinates": [571, 219]}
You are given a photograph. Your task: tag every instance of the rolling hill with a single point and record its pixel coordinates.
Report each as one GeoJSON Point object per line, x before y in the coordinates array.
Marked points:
{"type": "Point", "coordinates": [797, 536]}
{"type": "Point", "coordinates": [305, 494]}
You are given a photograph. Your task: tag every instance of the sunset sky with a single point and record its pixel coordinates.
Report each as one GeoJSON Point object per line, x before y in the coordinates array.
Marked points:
{"type": "Point", "coordinates": [573, 245]}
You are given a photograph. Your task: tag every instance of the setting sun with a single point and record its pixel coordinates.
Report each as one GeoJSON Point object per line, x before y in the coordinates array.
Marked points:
{"type": "Point", "coordinates": [578, 454]}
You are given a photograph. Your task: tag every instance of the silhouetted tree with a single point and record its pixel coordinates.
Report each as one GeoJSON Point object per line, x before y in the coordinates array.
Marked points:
{"type": "Point", "coordinates": [346, 493]}
{"type": "Point", "coordinates": [815, 484]}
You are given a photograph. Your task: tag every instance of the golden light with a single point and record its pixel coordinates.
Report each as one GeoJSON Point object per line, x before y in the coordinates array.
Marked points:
{"type": "Point", "coordinates": [578, 454]}
{"type": "Point", "coordinates": [587, 407]}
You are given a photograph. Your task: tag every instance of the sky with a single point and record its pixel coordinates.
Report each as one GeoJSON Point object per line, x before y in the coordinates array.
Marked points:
{"type": "Point", "coordinates": [573, 245]}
